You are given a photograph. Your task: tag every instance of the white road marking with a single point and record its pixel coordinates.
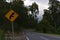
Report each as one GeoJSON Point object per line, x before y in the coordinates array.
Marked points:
{"type": "Point", "coordinates": [44, 38]}
{"type": "Point", "coordinates": [27, 38]}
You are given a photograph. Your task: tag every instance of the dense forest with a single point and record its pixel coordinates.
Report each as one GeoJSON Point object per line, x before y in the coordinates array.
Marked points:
{"type": "Point", "coordinates": [51, 18]}
{"type": "Point", "coordinates": [28, 16]}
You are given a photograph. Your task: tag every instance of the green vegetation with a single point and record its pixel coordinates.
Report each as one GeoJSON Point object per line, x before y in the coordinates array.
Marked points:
{"type": "Point", "coordinates": [2, 35]}
{"type": "Point", "coordinates": [51, 18]}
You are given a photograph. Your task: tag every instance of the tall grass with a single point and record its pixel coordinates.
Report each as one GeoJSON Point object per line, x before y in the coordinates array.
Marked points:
{"type": "Point", "coordinates": [2, 36]}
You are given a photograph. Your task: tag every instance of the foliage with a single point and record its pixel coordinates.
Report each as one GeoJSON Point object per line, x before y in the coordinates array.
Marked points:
{"type": "Point", "coordinates": [2, 35]}
{"type": "Point", "coordinates": [34, 9]}
{"type": "Point", "coordinates": [51, 20]}
{"type": "Point", "coordinates": [45, 26]}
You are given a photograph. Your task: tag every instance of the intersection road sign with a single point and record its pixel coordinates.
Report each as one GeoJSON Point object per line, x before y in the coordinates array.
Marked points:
{"type": "Point", "coordinates": [11, 15]}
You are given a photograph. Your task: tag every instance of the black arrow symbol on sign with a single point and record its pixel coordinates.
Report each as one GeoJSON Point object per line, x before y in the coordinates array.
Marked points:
{"type": "Point", "coordinates": [12, 15]}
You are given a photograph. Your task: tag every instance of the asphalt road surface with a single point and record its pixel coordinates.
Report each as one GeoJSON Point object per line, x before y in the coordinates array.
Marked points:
{"type": "Point", "coordinates": [40, 36]}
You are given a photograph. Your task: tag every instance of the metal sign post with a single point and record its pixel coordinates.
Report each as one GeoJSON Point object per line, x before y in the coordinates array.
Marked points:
{"type": "Point", "coordinates": [12, 31]}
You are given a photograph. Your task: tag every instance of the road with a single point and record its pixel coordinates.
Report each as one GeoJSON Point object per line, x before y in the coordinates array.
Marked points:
{"type": "Point", "coordinates": [40, 36]}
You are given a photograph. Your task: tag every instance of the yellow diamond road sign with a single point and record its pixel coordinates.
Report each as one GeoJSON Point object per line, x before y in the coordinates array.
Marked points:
{"type": "Point", "coordinates": [11, 15]}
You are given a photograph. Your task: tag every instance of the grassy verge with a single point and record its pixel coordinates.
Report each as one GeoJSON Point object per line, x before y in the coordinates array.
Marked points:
{"type": "Point", "coordinates": [53, 34]}
{"type": "Point", "coordinates": [2, 37]}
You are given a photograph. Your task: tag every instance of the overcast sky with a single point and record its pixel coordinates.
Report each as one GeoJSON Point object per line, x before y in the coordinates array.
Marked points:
{"type": "Point", "coordinates": [43, 4]}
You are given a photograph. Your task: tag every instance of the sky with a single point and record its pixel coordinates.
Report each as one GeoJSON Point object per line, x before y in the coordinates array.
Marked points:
{"type": "Point", "coordinates": [42, 4]}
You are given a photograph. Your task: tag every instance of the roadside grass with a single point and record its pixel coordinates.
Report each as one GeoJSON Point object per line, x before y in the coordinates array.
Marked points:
{"type": "Point", "coordinates": [2, 36]}
{"type": "Point", "coordinates": [51, 34]}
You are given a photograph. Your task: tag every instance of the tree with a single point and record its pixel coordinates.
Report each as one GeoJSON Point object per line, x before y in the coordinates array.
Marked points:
{"type": "Point", "coordinates": [26, 21]}
{"type": "Point", "coordinates": [45, 26]}
{"type": "Point", "coordinates": [34, 10]}
{"type": "Point", "coordinates": [33, 21]}
{"type": "Point", "coordinates": [51, 16]}
{"type": "Point", "coordinates": [55, 13]}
